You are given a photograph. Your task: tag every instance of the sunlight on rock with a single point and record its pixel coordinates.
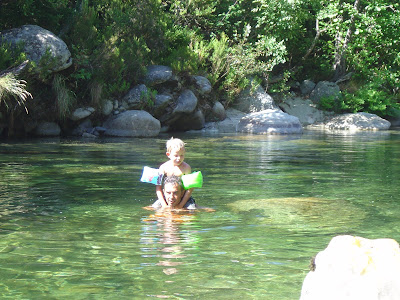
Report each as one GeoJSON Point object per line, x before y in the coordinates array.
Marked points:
{"type": "Point", "coordinates": [355, 268]}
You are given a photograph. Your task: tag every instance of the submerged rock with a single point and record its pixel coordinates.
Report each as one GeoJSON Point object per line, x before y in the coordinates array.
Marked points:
{"type": "Point", "coordinates": [309, 213]}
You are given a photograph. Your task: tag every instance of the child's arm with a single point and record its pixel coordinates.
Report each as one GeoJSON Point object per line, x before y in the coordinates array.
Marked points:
{"type": "Point", "coordinates": [185, 198]}
{"type": "Point", "coordinates": [187, 170]}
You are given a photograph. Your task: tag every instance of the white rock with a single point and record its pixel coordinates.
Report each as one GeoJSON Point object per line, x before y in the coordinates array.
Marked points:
{"type": "Point", "coordinates": [357, 121]}
{"type": "Point", "coordinates": [353, 268]}
{"type": "Point", "coordinates": [270, 121]}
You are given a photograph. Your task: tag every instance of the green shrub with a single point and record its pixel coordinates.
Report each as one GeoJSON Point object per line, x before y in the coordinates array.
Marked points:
{"type": "Point", "coordinates": [372, 98]}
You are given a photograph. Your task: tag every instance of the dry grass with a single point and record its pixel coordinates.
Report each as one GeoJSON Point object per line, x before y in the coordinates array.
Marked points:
{"type": "Point", "coordinates": [10, 86]}
{"type": "Point", "coordinates": [65, 97]}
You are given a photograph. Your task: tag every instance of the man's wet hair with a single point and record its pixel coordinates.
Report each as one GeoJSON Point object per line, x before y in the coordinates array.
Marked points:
{"type": "Point", "coordinates": [173, 180]}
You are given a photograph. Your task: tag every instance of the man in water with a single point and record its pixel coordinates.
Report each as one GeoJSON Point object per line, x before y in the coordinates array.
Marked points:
{"type": "Point", "coordinates": [173, 192]}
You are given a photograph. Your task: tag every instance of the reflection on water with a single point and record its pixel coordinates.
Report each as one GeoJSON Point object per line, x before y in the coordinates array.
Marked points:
{"type": "Point", "coordinates": [163, 238]}
{"type": "Point", "coordinates": [72, 222]}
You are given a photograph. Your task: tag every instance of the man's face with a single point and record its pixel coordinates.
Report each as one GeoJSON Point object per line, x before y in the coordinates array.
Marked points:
{"type": "Point", "coordinates": [172, 194]}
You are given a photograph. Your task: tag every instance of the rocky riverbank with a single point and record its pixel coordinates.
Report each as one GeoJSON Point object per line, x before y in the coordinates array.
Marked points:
{"type": "Point", "coordinates": [165, 101]}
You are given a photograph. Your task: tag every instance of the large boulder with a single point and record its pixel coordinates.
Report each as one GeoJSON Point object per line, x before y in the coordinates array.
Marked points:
{"type": "Point", "coordinates": [355, 268]}
{"type": "Point", "coordinates": [157, 74]}
{"type": "Point", "coordinates": [357, 121]}
{"type": "Point", "coordinates": [37, 43]}
{"type": "Point", "coordinates": [325, 89]}
{"type": "Point", "coordinates": [254, 101]}
{"type": "Point", "coordinates": [270, 121]}
{"type": "Point", "coordinates": [132, 123]}
{"type": "Point", "coordinates": [305, 110]}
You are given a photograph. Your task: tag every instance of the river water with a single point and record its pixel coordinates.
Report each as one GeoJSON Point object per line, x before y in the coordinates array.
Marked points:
{"type": "Point", "coordinates": [72, 222]}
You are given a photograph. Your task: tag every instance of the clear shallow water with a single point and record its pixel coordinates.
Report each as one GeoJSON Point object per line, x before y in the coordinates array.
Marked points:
{"type": "Point", "coordinates": [72, 223]}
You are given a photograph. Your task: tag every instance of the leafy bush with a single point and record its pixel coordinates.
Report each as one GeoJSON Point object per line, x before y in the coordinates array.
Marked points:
{"type": "Point", "coordinates": [372, 98]}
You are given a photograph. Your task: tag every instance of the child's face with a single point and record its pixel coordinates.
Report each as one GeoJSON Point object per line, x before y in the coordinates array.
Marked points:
{"type": "Point", "coordinates": [172, 194]}
{"type": "Point", "coordinates": [176, 156]}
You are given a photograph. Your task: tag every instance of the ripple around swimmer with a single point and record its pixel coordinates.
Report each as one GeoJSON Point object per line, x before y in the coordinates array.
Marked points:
{"type": "Point", "coordinates": [308, 213]}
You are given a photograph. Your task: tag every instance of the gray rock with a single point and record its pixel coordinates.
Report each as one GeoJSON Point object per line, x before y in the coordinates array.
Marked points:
{"type": "Point", "coordinates": [132, 123]}
{"type": "Point", "coordinates": [100, 129]}
{"type": "Point", "coordinates": [161, 103]}
{"type": "Point", "coordinates": [353, 268]}
{"type": "Point", "coordinates": [81, 113]}
{"type": "Point", "coordinates": [88, 135]}
{"type": "Point", "coordinates": [307, 86]}
{"type": "Point", "coordinates": [194, 121]}
{"type": "Point", "coordinates": [186, 103]}
{"type": "Point", "coordinates": [253, 101]}
{"type": "Point", "coordinates": [203, 84]}
{"type": "Point", "coordinates": [325, 89]}
{"type": "Point", "coordinates": [305, 110]}
{"type": "Point", "coordinates": [357, 121]}
{"type": "Point", "coordinates": [270, 121]}
{"type": "Point", "coordinates": [47, 129]}
{"type": "Point", "coordinates": [37, 41]}
{"type": "Point", "coordinates": [85, 126]}
{"type": "Point", "coordinates": [157, 74]}
{"type": "Point", "coordinates": [228, 125]}
{"type": "Point", "coordinates": [107, 108]}
{"type": "Point", "coordinates": [135, 95]}
{"type": "Point", "coordinates": [218, 111]}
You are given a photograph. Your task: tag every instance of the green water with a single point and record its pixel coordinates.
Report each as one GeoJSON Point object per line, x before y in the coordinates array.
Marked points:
{"type": "Point", "coordinates": [72, 224]}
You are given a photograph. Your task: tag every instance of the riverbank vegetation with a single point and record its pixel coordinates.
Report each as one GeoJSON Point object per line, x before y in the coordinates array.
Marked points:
{"type": "Point", "coordinates": [279, 42]}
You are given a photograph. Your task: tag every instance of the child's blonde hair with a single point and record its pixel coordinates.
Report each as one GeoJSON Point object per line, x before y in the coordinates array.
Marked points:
{"type": "Point", "coordinates": [175, 144]}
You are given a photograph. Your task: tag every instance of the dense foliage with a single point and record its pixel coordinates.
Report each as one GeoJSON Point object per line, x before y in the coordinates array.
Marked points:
{"type": "Point", "coordinates": [276, 41]}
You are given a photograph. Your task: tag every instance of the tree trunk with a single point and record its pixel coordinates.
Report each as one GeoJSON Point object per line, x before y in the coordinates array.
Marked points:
{"type": "Point", "coordinates": [341, 45]}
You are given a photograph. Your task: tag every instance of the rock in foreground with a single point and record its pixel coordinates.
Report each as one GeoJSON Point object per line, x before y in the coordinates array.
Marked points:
{"type": "Point", "coordinates": [355, 268]}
